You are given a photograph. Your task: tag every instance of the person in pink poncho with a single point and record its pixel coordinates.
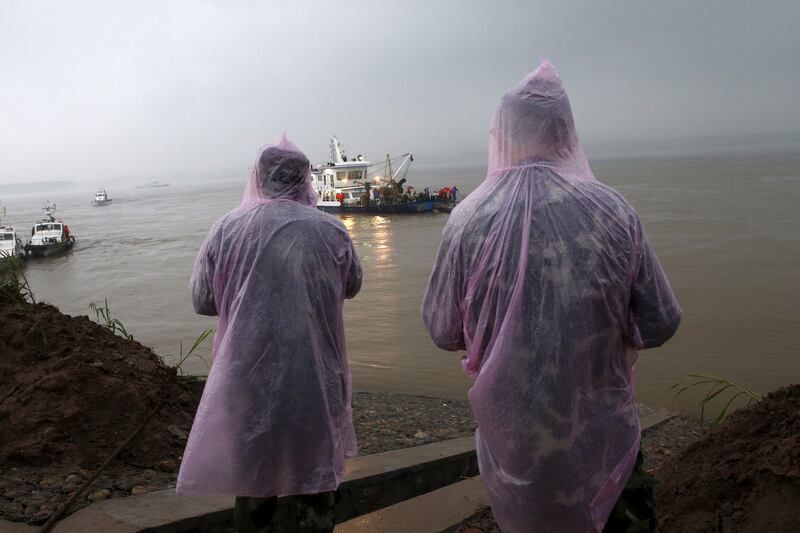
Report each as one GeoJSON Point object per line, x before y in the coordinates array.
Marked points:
{"type": "Point", "coordinates": [275, 418]}
{"type": "Point", "coordinates": [546, 278]}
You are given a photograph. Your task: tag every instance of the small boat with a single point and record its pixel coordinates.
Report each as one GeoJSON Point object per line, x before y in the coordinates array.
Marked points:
{"type": "Point", "coordinates": [49, 235]}
{"type": "Point", "coordinates": [101, 198]}
{"type": "Point", "coordinates": [448, 199]}
{"type": "Point", "coordinates": [349, 186]}
{"type": "Point", "coordinates": [10, 244]}
{"type": "Point", "coordinates": [152, 184]}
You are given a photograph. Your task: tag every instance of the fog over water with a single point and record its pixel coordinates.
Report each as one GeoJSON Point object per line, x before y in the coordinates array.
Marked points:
{"type": "Point", "coordinates": [726, 229]}
{"type": "Point", "coordinates": [95, 91]}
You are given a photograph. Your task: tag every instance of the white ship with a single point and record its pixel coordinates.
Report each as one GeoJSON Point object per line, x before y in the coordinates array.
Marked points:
{"type": "Point", "coordinates": [50, 235]}
{"type": "Point", "coordinates": [350, 185]}
{"type": "Point", "coordinates": [10, 243]}
{"type": "Point", "coordinates": [101, 198]}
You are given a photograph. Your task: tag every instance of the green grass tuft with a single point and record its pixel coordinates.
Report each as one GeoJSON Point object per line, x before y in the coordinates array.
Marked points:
{"type": "Point", "coordinates": [718, 388]}
{"type": "Point", "coordinates": [14, 284]}
{"type": "Point", "coordinates": [105, 319]}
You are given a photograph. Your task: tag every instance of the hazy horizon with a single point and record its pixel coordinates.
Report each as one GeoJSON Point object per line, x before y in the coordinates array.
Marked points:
{"type": "Point", "coordinates": [777, 144]}
{"type": "Point", "coordinates": [94, 92]}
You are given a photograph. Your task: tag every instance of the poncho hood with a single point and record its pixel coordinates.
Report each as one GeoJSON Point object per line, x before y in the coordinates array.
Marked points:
{"type": "Point", "coordinates": [281, 172]}
{"type": "Point", "coordinates": [533, 124]}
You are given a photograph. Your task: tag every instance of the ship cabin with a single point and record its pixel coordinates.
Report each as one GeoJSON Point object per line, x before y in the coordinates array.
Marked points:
{"type": "Point", "coordinates": [10, 245]}
{"type": "Point", "coordinates": [340, 176]}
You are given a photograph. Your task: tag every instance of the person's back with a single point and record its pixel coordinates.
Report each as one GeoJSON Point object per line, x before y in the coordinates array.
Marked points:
{"type": "Point", "coordinates": [275, 417]}
{"type": "Point", "coordinates": [545, 277]}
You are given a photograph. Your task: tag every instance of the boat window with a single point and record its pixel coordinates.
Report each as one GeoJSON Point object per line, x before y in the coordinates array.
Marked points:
{"type": "Point", "coordinates": [356, 174]}
{"type": "Point", "coordinates": [7, 237]}
{"type": "Point", "coordinates": [341, 175]}
{"type": "Point", "coordinates": [57, 227]}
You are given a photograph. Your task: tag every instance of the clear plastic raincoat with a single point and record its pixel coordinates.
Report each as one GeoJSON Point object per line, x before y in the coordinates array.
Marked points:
{"type": "Point", "coordinates": [546, 278]}
{"type": "Point", "coordinates": [275, 417]}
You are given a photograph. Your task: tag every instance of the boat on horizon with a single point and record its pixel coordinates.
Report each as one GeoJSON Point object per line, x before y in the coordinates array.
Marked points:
{"type": "Point", "coordinates": [50, 235]}
{"type": "Point", "coordinates": [101, 198]}
{"type": "Point", "coordinates": [354, 185]}
{"type": "Point", "coordinates": [152, 184]}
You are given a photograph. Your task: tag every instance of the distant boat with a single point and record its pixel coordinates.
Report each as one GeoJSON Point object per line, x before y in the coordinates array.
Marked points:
{"type": "Point", "coordinates": [101, 198]}
{"type": "Point", "coordinates": [153, 184]}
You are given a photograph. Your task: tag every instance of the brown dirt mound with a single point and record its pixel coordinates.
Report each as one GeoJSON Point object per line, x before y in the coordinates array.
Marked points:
{"type": "Point", "coordinates": [744, 475]}
{"type": "Point", "coordinates": [72, 390]}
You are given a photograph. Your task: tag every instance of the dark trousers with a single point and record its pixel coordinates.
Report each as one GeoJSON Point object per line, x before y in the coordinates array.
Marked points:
{"type": "Point", "coordinates": [307, 513]}
{"type": "Point", "coordinates": [634, 512]}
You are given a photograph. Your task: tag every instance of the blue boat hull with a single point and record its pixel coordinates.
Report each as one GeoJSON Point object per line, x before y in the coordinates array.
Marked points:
{"type": "Point", "coordinates": [424, 206]}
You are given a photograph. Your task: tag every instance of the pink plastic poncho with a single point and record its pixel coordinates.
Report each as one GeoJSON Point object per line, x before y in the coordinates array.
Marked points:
{"type": "Point", "coordinates": [275, 417]}
{"type": "Point", "coordinates": [546, 278]}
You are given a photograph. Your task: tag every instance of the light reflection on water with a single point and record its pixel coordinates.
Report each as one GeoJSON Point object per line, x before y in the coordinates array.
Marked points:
{"type": "Point", "coordinates": [727, 232]}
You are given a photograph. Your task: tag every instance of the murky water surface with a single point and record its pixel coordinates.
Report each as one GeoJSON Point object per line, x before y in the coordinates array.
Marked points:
{"type": "Point", "coordinates": [727, 232]}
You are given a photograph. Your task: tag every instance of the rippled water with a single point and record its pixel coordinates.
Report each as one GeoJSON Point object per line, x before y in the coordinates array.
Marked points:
{"type": "Point", "coordinates": [727, 232]}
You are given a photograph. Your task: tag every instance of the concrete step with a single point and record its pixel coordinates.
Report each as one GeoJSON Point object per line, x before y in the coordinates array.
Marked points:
{"type": "Point", "coordinates": [436, 511]}
{"type": "Point", "coordinates": [371, 483]}
{"type": "Point", "coordinates": [446, 508]}
{"type": "Point", "coordinates": [376, 481]}
{"type": "Point", "coordinates": [653, 420]}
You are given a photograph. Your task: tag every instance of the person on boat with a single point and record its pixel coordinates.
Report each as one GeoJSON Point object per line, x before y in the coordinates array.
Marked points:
{"type": "Point", "coordinates": [275, 418]}
{"type": "Point", "coordinates": [546, 278]}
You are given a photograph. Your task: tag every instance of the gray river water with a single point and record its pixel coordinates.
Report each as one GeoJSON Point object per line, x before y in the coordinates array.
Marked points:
{"type": "Point", "coordinates": [726, 230]}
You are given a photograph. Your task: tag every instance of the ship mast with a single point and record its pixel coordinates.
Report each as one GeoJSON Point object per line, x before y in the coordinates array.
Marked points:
{"type": "Point", "coordinates": [337, 151]}
{"type": "Point", "coordinates": [388, 169]}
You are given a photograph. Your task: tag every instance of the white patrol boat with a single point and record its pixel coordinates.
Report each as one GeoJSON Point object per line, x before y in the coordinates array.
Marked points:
{"type": "Point", "coordinates": [10, 244]}
{"type": "Point", "coordinates": [49, 235]}
{"type": "Point", "coordinates": [101, 198]}
{"type": "Point", "coordinates": [349, 186]}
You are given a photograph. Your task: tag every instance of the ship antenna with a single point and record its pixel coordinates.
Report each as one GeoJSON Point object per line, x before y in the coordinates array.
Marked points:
{"type": "Point", "coordinates": [388, 168]}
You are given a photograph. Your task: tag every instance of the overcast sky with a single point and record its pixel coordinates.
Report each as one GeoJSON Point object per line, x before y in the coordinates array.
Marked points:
{"type": "Point", "coordinates": [95, 90]}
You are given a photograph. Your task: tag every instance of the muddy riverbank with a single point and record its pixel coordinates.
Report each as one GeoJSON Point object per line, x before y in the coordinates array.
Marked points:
{"type": "Point", "coordinates": [73, 390]}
